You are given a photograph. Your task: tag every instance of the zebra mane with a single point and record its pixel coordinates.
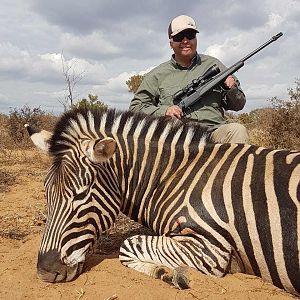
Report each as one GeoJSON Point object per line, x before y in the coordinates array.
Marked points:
{"type": "Point", "coordinates": [90, 123]}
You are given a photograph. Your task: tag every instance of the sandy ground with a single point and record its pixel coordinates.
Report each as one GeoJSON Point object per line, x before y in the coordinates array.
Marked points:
{"type": "Point", "coordinates": [22, 216]}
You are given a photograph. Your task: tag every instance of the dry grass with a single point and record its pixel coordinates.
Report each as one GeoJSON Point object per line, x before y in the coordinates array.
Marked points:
{"type": "Point", "coordinates": [276, 127]}
{"type": "Point", "coordinates": [6, 179]}
{"type": "Point", "coordinates": [17, 157]}
{"type": "Point", "coordinates": [18, 170]}
{"type": "Point", "coordinates": [122, 229]}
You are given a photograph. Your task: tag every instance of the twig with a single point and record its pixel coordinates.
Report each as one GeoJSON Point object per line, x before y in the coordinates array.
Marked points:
{"type": "Point", "coordinates": [113, 297]}
{"type": "Point", "coordinates": [81, 293]}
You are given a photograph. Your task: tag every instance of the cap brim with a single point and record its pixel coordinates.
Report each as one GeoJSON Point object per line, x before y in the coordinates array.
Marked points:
{"type": "Point", "coordinates": [178, 31]}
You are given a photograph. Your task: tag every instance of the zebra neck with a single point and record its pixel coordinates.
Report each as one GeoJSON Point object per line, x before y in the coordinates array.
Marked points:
{"type": "Point", "coordinates": [144, 167]}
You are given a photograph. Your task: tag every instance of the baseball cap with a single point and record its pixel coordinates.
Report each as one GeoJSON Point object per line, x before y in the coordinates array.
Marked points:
{"type": "Point", "coordinates": [181, 23]}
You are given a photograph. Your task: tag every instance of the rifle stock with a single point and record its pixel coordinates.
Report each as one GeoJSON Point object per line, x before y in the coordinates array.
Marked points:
{"type": "Point", "coordinates": [188, 99]}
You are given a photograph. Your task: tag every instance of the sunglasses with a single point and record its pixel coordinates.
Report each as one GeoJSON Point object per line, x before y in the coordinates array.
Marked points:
{"type": "Point", "coordinates": [189, 34]}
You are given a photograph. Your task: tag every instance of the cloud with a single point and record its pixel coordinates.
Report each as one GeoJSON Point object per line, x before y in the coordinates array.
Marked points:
{"type": "Point", "coordinates": [93, 45]}
{"type": "Point", "coordinates": [20, 64]}
{"type": "Point", "coordinates": [246, 42]}
{"type": "Point", "coordinates": [4, 101]}
{"type": "Point", "coordinates": [114, 92]}
{"type": "Point", "coordinates": [107, 15]}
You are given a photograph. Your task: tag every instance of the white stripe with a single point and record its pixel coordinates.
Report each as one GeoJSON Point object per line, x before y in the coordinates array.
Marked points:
{"type": "Point", "coordinates": [251, 221]}
{"type": "Point", "coordinates": [148, 139]}
{"type": "Point", "coordinates": [275, 224]}
{"type": "Point", "coordinates": [91, 122]}
{"type": "Point", "coordinates": [102, 124]}
{"type": "Point", "coordinates": [293, 187]}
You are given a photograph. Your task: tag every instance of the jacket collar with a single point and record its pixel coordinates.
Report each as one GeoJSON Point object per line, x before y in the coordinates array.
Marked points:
{"type": "Point", "coordinates": [195, 61]}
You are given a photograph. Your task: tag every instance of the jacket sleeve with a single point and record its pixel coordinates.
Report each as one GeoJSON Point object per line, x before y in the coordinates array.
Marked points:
{"type": "Point", "coordinates": [146, 97]}
{"type": "Point", "coordinates": [235, 98]}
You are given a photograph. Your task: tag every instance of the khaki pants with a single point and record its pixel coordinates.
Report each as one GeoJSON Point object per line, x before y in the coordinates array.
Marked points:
{"type": "Point", "coordinates": [231, 133]}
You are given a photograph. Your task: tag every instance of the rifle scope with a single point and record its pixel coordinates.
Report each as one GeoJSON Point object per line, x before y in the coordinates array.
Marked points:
{"type": "Point", "coordinates": [209, 73]}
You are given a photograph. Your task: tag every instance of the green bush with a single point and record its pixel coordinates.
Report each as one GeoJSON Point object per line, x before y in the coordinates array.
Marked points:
{"type": "Point", "coordinates": [91, 102]}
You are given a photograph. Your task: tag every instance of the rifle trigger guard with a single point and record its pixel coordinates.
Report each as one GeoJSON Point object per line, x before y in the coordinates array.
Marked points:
{"type": "Point", "coordinates": [187, 111]}
{"type": "Point", "coordinates": [219, 90]}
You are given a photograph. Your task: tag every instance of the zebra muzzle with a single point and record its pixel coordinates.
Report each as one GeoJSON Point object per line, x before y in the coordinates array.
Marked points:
{"type": "Point", "coordinates": [50, 268]}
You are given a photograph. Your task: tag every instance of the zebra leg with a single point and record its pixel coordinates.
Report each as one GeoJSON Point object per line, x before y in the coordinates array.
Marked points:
{"type": "Point", "coordinates": [167, 258]}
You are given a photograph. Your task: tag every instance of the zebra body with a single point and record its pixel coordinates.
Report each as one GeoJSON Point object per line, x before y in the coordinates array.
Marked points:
{"type": "Point", "coordinates": [216, 208]}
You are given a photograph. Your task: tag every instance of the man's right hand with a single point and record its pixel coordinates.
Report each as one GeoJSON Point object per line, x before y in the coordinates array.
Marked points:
{"type": "Point", "coordinates": [174, 111]}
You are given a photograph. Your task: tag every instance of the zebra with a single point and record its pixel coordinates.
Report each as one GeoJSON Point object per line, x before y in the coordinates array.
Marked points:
{"type": "Point", "coordinates": [216, 208]}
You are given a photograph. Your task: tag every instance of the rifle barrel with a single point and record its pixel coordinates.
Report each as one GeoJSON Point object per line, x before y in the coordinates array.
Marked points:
{"type": "Point", "coordinates": [273, 39]}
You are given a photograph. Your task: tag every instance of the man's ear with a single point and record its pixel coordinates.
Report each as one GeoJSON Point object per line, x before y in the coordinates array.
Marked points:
{"type": "Point", "coordinates": [99, 150]}
{"type": "Point", "coordinates": [40, 138]}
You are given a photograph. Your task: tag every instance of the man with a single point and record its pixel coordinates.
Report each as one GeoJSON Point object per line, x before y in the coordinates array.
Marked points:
{"type": "Point", "coordinates": [155, 94]}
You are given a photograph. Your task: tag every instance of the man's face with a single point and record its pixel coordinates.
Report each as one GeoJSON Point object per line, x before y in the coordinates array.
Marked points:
{"type": "Point", "coordinates": [184, 44]}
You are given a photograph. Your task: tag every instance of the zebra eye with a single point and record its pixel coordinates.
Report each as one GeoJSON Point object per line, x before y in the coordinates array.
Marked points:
{"type": "Point", "coordinates": [79, 199]}
{"type": "Point", "coordinates": [81, 195]}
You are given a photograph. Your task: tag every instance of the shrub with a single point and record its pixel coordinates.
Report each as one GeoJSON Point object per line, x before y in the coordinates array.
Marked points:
{"type": "Point", "coordinates": [17, 134]}
{"type": "Point", "coordinates": [4, 135]}
{"type": "Point", "coordinates": [276, 127]}
{"type": "Point", "coordinates": [91, 102]}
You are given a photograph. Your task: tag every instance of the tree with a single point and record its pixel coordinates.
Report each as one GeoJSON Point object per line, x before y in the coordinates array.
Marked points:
{"type": "Point", "coordinates": [134, 82]}
{"type": "Point", "coordinates": [71, 80]}
{"type": "Point", "coordinates": [91, 102]}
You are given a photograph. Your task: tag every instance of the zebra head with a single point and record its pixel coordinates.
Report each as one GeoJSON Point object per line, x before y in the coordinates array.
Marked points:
{"type": "Point", "coordinates": [82, 197]}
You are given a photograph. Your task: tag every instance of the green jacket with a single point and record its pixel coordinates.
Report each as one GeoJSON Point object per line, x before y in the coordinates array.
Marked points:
{"type": "Point", "coordinates": [155, 94]}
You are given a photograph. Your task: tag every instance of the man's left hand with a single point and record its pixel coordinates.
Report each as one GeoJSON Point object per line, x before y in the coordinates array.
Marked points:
{"type": "Point", "coordinates": [230, 82]}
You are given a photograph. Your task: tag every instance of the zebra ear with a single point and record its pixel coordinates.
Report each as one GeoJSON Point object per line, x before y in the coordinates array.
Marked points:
{"type": "Point", "coordinates": [40, 138]}
{"type": "Point", "coordinates": [99, 151]}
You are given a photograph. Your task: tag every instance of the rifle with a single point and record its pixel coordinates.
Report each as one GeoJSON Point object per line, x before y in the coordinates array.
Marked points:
{"type": "Point", "coordinates": [212, 77]}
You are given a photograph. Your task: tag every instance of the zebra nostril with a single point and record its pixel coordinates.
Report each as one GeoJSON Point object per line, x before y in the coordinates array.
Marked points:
{"type": "Point", "coordinates": [50, 268]}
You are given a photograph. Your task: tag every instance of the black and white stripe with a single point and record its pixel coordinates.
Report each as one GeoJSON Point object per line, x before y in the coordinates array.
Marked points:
{"type": "Point", "coordinates": [208, 203]}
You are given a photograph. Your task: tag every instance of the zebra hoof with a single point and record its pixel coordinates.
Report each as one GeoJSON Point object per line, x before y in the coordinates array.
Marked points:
{"type": "Point", "coordinates": [180, 278]}
{"type": "Point", "coordinates": [176, 277]}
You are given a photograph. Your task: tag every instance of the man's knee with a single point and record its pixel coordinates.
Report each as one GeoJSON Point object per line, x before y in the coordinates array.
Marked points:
{"type": "Point", "coordinates": [239, 133]}
{"type": "Point", "coordinates": [231, 133]}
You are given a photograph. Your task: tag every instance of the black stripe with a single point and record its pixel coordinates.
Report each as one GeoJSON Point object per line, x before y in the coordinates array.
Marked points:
{"type": "Point", "coordinates": [79, 245]}
{"type": "Point", "coordinates": [262, 217]}
{"type": "Point", "coordinates": [288, 216]}
{"type": "Point", "coordinates": [218, 184]}
{"type": "Point", "coordinates": [240, 222]}
{"type": "Point", "coordinates": [74, 235]}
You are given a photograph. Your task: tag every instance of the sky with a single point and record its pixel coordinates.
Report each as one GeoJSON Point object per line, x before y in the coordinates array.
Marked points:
{"type": "Point", "coordinates": [105, 42]}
